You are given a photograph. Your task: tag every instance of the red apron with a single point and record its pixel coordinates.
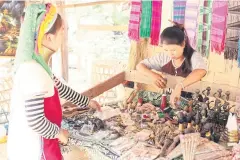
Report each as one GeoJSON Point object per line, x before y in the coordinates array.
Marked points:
{"type": "Point", "coordinates": [53, 112]}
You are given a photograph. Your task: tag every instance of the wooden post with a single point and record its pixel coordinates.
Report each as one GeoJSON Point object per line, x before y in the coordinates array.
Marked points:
{"type": "Point", "coordinates": [138, 52]}
{"type": "Point", "coordinates": [64, 47]}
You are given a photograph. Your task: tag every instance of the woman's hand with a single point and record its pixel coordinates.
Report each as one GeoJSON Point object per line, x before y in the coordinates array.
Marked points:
{"type": "Point", "coordinates": [94, 105]}
{"type": "Point", "coordinates": [175, 96]}
{"type": "Point", "coordinates": [63, 136]}
{"type": "Point", "coordinates": [158, 80]}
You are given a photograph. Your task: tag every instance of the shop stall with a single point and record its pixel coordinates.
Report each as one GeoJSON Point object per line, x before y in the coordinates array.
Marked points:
{"type": "Point", "coordinates": [141, 124]}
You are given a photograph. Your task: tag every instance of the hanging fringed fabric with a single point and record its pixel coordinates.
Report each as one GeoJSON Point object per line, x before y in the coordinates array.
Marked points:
{"type": "Point", "coordinates": [204, 27]}
{"type": "Point", "coordinates": [218, 29]}
{"type": "Point", "coordinates": [145, 25]}
{"type": "Point", "coordinates": [167, 9]}
{"type": "Point", "coordinates": [231, 48]}
{"type": "Point", "coordinates": [134, 22]}
{"type": "Point", "coordinates": [156, 21]}
{"type": "Point", "coordinates": [179, 11]}
{"type": "Point", "coordinates": [191, 20]}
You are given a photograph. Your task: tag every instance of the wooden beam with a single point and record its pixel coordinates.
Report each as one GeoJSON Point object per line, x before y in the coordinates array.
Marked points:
{"type": "Point", "coordinates": [92, 3]}
{"type": "Point", "coordinates": [103, 27]}
{"type": "Point", "coordinates": [139, 77]}
{"type": "Point", "coordinates": [105, 86]}
{"type": "Point", "coordinates": [64, 47]}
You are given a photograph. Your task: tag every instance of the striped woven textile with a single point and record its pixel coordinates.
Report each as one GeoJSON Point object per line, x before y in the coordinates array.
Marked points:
{"type": "Point", "coordinates": [145, 25]}
{"type": "Point", "coordinates": [219, 25]}
{"type": "Point", "coordinates": [179, 11]}
{"type": "Point", "coordinates": [231, 51]}
{"type": "Point", "coordinates": [191, 20]}
{"type": "Point", "coordinates": [134, 21]}
{"type": "Point", "coordinates": [204, 27]}
{"type": "Point", "coordinates": [156, 21]}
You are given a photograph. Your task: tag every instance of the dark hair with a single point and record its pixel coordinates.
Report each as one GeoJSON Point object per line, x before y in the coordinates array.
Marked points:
{"type": "Point", "coordinates": [177, 35]}
{"type": "Point", "coordinates": [56, 26]}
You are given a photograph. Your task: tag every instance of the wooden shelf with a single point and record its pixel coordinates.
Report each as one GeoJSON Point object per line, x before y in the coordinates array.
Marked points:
{"type": "Point", "coordinates": [92, 3]}
{"type": "Point", "coordinates": [103, 27]}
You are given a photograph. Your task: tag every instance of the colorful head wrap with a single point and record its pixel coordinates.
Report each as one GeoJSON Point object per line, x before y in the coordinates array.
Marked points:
{"type": "Point", "coordinates": [38, 20]}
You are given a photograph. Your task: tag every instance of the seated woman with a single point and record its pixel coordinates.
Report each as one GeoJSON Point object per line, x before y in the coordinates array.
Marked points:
{"type": "Point", "coordinates": [178, 58]}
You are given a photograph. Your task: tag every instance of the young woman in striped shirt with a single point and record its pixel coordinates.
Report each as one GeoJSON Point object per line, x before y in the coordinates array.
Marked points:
{"type": "Point", "coordinates": [36, 115]}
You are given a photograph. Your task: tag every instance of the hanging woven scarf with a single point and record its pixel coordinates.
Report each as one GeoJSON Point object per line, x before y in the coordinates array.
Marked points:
{"type": "Point", "coordinates": [167, 9]}
{"type": "Point", "coordinates": [156, 21]}
{"type": "Point", "coordinates": [218, 29]}
{"type": "Point", "coordinates": [179, 11]}
{"type": "Point", "coordinates": [134, 21]}
{"type": "Point", "coordinates": [231, 48]}
{"type": "Point", "coordinates": [191, 20]}
{"type": "Point", "coordinates": [145, 25]}
{"type": "Point", "coordinates": [204, 27]}
{"type": "Point", "coordinates": [38, 20]}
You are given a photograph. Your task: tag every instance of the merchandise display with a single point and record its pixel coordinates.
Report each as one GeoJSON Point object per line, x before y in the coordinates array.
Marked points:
{"type": "Point", "coordinates": [199, 127]}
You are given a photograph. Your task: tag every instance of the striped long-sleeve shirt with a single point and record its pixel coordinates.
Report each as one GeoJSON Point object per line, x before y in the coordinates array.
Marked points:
{"type": "Point", "coordinates": [69, 94]}
{"type": "Point", "coordinates": [34, 108]}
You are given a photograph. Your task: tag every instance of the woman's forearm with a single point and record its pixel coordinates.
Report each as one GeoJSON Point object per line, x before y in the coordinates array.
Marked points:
{"type": "Point", "coordinates": [141, 67]}
{"type": "Point", "coordinates": [194, 77]}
